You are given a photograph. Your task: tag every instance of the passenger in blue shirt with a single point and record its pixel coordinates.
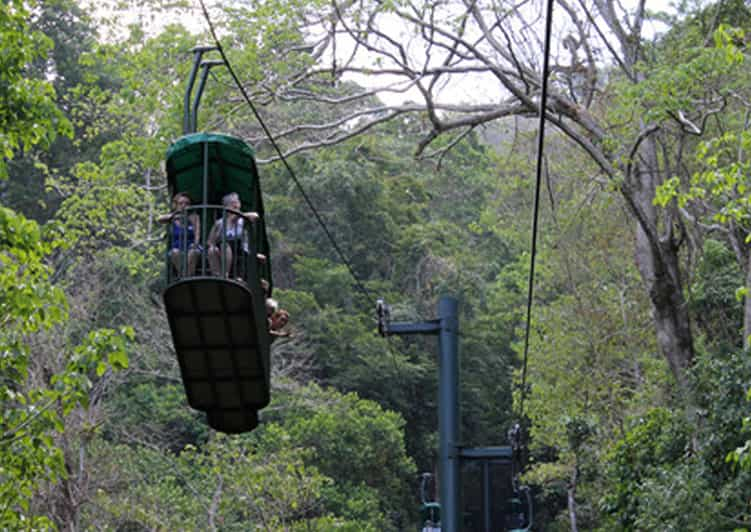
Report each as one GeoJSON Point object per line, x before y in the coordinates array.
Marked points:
{"type": "Point", "coordinates": [185, 231]}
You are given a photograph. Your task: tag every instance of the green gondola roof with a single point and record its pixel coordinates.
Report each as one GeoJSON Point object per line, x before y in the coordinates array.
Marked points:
{"type": "Point", "coordinates": [232, 168]}
{"type": "Point", "coordinates": [197, 138]}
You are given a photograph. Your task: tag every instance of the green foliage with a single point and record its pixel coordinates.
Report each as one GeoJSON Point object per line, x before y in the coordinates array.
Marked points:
{"type": "Point", "coordinates": [741, 455]}
{"type": "Point", "coordinates": [155, 414]}
{"type": "Point", "coordinates": [28, 114]}
{"type": "Point", "coordinates": [311, 470]}
{"type": "Point", "coordinates": [675, 87]}
{"type": "Point", "coordinates": [721, 384]}
{"type": "Point", "coordinates": [657, 440]}
{"type": "Point", "coordinates": [591, 361]}
{"type": "Point", "coordinates": [33, 412]}
{"type": "Point", "coordinates": [713, 295]}
{"type": "Point", "coordinates": [329, 283]}
{"type": "Point", "coordinates": [28, 303]}
{"type": "Point", "coordinates": [72, 36]}
{"type": "Point", "coordinates": [356, 442]}
{"type": "Point", "coordinates": [267, 29]}
{"type": "Point", "coordinates": [224, 484]}
{"type": "Point", "coordinates": [671, 474]}
{"type": "Point", "coordinates": [25, 306]}
{"type": "Point", "coordinates": [722, 182]}
{"type": "Point", "coordinates": [101, 211]}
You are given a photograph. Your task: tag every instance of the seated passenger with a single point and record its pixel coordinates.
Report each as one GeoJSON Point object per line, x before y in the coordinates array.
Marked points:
{"type": "Point", "coordinates": [277, 319]}
{"type": "Point", "coordinates": [229, 233]}
{"type": "Point", "coordinates": [277, 322]}
{"type": "Point", "coordinates": [184, 235]}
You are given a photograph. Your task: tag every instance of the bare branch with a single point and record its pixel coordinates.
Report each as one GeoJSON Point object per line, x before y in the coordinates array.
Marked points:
{"type": "Point", "coordinates": [441, 153]}
{"type": "Point", "coordinates": [711, 228]}
{"type": "Point", "coordinates": [337, 139]}
{"type": "Point", "coordinates": [686, 124]}
{"type": "Point", "coordinates": [643, 134]}
{"type": "Point", "coordinates": [625, 68]}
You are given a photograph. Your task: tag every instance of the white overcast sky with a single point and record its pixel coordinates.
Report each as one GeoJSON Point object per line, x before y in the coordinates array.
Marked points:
{"type": "Point", "coordinates": [466, 88]}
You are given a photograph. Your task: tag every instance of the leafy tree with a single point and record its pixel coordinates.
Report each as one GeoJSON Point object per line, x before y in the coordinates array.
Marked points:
{"type": "Point", "coordinates": [71, 36]}
{"type": "Point", "coordinates": [741, 455]}
{"type": "Point", "coordinates": [714, 296]}
{"type": "Point", "coordinates": [358, 444]}
{"type": "Point", "coordinates": [33, 412]}
{"type": "Point", "coordinates": [711, 198]}
{"type": "Point", "coordinates": [28, 115]}
{"type": "Point", "coordinates": [303, 469]}
{"type": "Point", "coordinates": [666, 473]}
{"type": "Point", "coordinates": [654, 442]}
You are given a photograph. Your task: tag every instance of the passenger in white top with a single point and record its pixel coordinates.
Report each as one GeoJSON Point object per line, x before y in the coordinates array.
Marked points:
{"type": "Point", "coordinates": [232, 237]}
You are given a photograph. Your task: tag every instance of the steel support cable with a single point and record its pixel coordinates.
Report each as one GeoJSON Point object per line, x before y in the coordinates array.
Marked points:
{"type": "Point", "coordinates": [536, 210]}
{"type": "Point", "coordinates": [278, 150]}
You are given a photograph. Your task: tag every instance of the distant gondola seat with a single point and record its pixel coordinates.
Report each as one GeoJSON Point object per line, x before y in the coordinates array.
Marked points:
{"type": "Point", "coordinates": [218, 325]}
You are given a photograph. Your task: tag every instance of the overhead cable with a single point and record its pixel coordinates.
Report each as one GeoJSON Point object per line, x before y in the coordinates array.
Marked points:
{"type": "Point", "coordinates": [536, 209]}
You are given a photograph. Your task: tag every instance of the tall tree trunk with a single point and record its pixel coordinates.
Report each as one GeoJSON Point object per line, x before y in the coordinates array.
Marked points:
{"type": "Point", "coordinates": [658, 261]}
{"type": "Point", "coordinates": [661, 275]}
{"type": "Point", "coordinates": [656, 250]}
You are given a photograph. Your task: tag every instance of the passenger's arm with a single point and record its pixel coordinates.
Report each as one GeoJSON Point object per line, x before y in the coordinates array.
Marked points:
{"type": "Point", "coordinates": [165, 218]}
{"type": "Point", "coordinates": [251, 216]}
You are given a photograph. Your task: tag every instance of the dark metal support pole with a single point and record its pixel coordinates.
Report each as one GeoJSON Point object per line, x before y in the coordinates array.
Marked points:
{"type": "Point", "coordinates": [198, 52]}
{"type": "Point", "coordinates": [197, 97]}
{"type": "Point", "coordinates": [447, 329]}
{"type": "Point", "coordinates": [205, 68]}
{"type": "Point", "coordinates": [204, 214]}
{"type": "Point", "coordinates": [448, 413]}
{"type": "Point", "coordinates": [188, 90]}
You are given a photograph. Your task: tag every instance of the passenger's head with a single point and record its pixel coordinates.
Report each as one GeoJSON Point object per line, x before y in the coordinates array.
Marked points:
{"type": "Point", "coordinates": [279, 319]}
{"type": "Point", "coordinates": [271, 306]}
{"type": "Point", "coordinates": [180, 201]}
{"type": "Point", "coordinates": [231, 200]}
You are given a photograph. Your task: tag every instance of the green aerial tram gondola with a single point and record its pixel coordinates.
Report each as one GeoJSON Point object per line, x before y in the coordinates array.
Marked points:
{"type": "Point", "coordinates": [218, 271]}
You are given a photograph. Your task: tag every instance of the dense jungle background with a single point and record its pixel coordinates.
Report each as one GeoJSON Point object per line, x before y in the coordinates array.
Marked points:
{"type": "Point", "coordinates": [636, 399]}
